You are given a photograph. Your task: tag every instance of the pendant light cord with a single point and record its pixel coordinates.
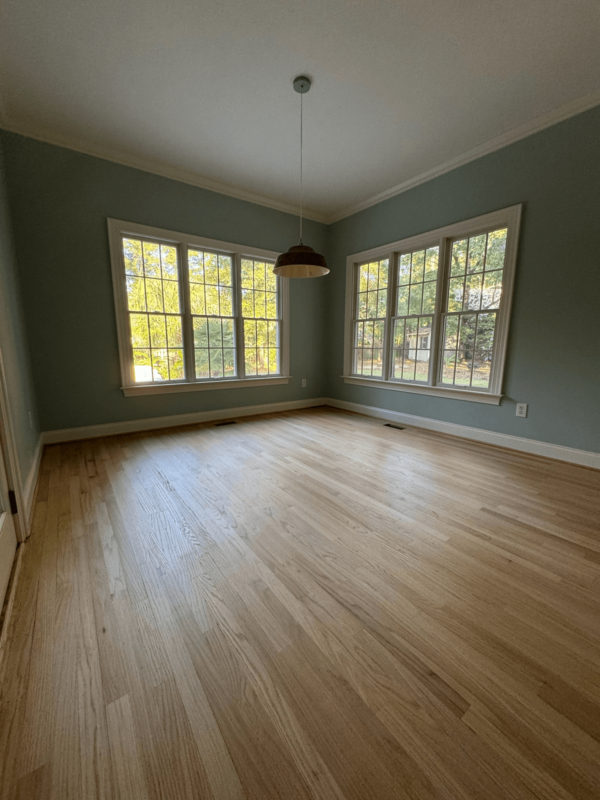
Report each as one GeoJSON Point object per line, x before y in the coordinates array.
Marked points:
{"type": "Point", "coordinates": [301, 187]}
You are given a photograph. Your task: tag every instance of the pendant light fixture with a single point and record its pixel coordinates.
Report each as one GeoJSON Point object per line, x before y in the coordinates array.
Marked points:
{"type": "Point", "coordinates": [301, 261]}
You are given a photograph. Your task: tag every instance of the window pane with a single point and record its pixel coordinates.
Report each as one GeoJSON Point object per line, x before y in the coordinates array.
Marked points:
{"type": "Point", "coordinates": [260, 306]}
{"type": "Point", "coordinates": [216, 363]}
{"type": "Point", "coordinates": [247, 302]}
{"type": "Point", "coordinates": [466, 340]}
{"type": "Point", "coordinates": [160, 365]}
{"type": "Point", "coordinates": [378, 329]}
{"type": "Point", "coordinates": [476, 253]}
{"type": "Point", "coordinates": [399, 333]}
{"type": "Point", "coordinates": [486, 325]}
{"type": "Point", "coordinates": [158, 332]}
{"type": "Point", "coordinates": [142, 366]}
{"type": "Point", "coordinates": [211, 269]}
{"type": "Point", "coordinates": [154, 295]}
{"type": "Point", "coordinates": [403, 293]}
{"type": "Point", "coordinates": [422, 365]}
{"type": "Point", "coordinates": [429, 292]}
{"type": "Point", "coordinates": [151, 260]}
{"type": "Point", "coordinates": [212, 300]}
{"type": "Point", "coordinates": [363, 278]}
{"type": "Point", "coordinates": [464, 363]}
{"type": "Point", "coordinates": [377, 361]}
{"type": "Point", "coordinates": [229, 362]}
{"type": "Point", "coordinates": [404, 269]}
{"type": "Point", "coordinates": [271, 305]}
{"type": "Point", "coordinates": [482, 362]}
{"type": "Point", "coordinates": [247, 272]}
{"type": "Point", "coordinates": [362, 305]}
{"type": "Point", "coordinates": [250, 333]}
{"type": "Point", "coordinates": [174, 337]}
{"type": "Point", "coordinates": [197, 302]}
{"type": "Point", "coordinates": [472, 296]}
{"type": "Point", "coordinates": [226, 302]}
{"type": "Point", "coordinates": [176, 368]}
{"type": "Point", "coordinates": [408, 365]}
{"type": "Point", "coordinates": [451, 333]}
{"type": "Point", "coordinates": [139, 330]}
{"type": "Point", "coordinates": [171, 295]}
{"type": "Point", "coordinates": [458, 261]}
{"type": "Point", "coordinates": [271, 279]}
{"type": "Point", "coordinates": [196, 266]}
{"type": "Point", "coordinates": [455, 294]}
{"type": "Point", "coordinates": [431, 263]}
{"type": "Point", "coordinates": [168, 260]}
{"type": "Point", "coordinates": [200, 333]}
{"type": "Point", "coordinates": [202, 364]}
{"type": "Point", "coordinates": [228, 333]}
{"type": "Point", "coordinates": [412, 337]}
{"type": "Point", "coordinates": [381, 303]}
{"type": "Point", "coordinates": [132, 256]}
{"type": "Point", "coordinates": [273, 361]}
{"type": "Point", "coordinates": [448, 366]}
{"type": "Point", "coordinates": [136, 294]}
{"type": "Point", "coordinates": [496, 249]}
{"type": "Point", "coordinates": [372, 304]}
{"type": "Point", "coordinates": [416, 299]}
{"type": "Point", "coordinates": [373, 277]}
{"type": "Point", "coordinates": [418, 267]}
{"type": "Point", "coordinates": [225, 271]}
{"type": "Point", "coordinates": [492, 289]}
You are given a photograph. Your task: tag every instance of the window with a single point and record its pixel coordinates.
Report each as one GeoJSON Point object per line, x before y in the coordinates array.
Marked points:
{"type": "Point", "coordinates": [195, 313]}
{"type": "Point", "coordinates": [430, 314]}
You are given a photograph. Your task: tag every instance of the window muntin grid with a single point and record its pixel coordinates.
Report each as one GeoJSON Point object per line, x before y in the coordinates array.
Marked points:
{"type": "Point", "coordinates": [416, 292]}
{"type": "Point", "coordinates": [472, 303]}
{"type": "Point", "coordinates": [261, 318]}
{"type": "Point", "coordinates": [154, 310]}
{"type": "Point", "coordinates": [371, 311]}
{"type": "Point", "coordinates": [210, 277]}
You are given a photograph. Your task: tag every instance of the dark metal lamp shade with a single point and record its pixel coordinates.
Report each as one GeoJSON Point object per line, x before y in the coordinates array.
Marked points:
{"type": "Point", "coordinates": [300, 261]}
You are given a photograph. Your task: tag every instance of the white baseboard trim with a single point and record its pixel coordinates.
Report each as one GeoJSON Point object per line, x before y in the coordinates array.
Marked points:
{"type": "Point", "coordinates": [31, 482]}
{"type": "Point", "coordinates": [583, 457]}
{"type": "Point", "coordinates": [153, 423]}
{"type": "Point", "coordinates": [532, 446]}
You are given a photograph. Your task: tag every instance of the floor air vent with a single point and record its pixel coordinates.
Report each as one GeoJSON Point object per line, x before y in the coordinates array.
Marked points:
{"type": "Point", "coordinates": [391, 425]}
{"type": "Point", "coordinates": [229, 422]}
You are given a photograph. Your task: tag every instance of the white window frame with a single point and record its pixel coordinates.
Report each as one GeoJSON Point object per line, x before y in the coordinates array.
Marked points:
{"type": "Point", "coordinates": [119, 228]}
{"type": "Point", "coordinates": [506, 217]}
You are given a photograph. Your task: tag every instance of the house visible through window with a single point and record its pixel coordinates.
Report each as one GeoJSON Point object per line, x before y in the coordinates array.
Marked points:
{"type": "Point", "coordinates": [431, 313]}
{"type": "Point", "coordinates": [194, 312]}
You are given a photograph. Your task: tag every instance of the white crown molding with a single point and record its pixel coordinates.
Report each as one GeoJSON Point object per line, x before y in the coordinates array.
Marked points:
{"type": "Point", "coordinates": [560, 114]}
{"type": "Point", "coordinates": [155, 168]}
{"type": "Point", "coordinates": [585, 458]}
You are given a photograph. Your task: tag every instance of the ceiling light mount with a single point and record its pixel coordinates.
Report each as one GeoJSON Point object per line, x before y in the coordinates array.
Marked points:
{"type": "Point", "coordinates": [302, 84]}
{"type": "Point", "coordinates": [301, 261]}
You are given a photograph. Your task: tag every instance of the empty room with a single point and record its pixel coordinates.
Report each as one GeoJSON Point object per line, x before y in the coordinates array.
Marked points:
{"type": "Point", "coordinates": [300, 400]}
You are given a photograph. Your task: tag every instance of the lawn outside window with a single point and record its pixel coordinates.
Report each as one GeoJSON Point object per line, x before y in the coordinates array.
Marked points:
{"type": "Point", "coordinates": [430, 314]}
{"type": "Point", "coordinates": [195, 313]}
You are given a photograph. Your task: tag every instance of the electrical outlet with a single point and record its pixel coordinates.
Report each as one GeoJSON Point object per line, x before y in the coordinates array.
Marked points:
{"type": "Point", "coordinates": [304, 383]}
{"type": "Point", "coordinates": [521, 409]}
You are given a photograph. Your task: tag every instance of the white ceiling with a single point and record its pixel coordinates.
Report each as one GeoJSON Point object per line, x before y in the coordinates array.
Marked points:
{"type": "Point", "coordinates": [202, 90]}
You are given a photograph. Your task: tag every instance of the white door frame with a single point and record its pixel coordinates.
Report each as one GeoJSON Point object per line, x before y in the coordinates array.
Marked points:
{"type": "Point", "coordinates": [11, 461]}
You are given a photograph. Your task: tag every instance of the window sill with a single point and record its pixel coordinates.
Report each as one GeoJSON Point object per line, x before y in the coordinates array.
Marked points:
{"type": "Point", "coordinates": [201, 386]}
{"type": "Point", "coordinates": [433, 391]}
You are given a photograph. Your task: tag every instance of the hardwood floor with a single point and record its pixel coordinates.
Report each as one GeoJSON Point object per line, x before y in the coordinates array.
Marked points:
{"type": "Point", "coordinates": [307, 605]}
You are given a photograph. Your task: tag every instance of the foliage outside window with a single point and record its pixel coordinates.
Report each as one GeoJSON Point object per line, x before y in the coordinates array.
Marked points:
{"type": "Point", "coordinates": [194, 315]}
{"type": "Point", "coordinates": [431, 313]}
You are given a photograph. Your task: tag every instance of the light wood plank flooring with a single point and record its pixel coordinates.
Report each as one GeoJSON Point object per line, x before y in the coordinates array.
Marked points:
{"type": "Point", "coordinates": [307, 605]}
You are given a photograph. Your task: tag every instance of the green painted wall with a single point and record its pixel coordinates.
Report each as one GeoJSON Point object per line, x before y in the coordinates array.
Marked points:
{"type": "Point", "coordinates": [13, 343]}
{"type": "Point", "coordinates": [60, 201]}
{"type": "Point", "coordinates": [553, 358]}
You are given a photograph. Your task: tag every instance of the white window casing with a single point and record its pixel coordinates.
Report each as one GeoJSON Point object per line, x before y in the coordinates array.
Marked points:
{"type": "Point", "coordinates": [432, 384]}
{"type": "Point", "coordinates": [117, 230]}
